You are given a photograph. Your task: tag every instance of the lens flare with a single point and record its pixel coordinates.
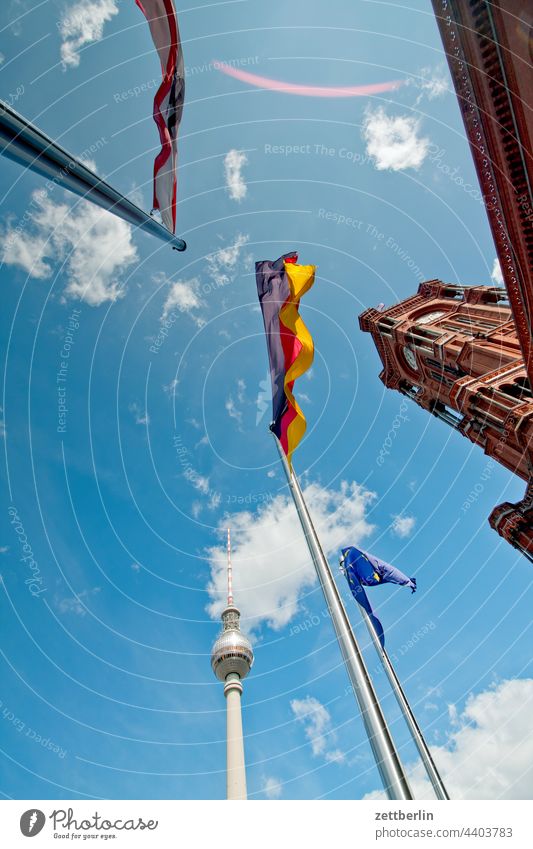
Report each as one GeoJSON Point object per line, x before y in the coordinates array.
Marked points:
{"type": "Point", "coordinates": [306, 90]}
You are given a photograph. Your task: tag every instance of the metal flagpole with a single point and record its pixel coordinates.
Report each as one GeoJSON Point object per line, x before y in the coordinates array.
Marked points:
{"type": "Point", "coordinates": [405, 707]}
{"type": "Point", "coordinates": [25, 144]}
{"type": "Point", "coordinates": [387, 759]}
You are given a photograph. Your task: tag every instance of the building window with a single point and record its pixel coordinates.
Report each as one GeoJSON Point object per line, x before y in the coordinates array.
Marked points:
{"type": "Point", "coordinates": [519, 389]}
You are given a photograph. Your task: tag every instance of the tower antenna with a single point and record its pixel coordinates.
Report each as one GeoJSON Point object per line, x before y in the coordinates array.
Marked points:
{"type": "Point", "coordinates": [230, 572]}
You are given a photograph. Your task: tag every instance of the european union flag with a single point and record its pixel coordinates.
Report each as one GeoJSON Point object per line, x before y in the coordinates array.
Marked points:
{"type": "Point", "coordinates": [362, 569]}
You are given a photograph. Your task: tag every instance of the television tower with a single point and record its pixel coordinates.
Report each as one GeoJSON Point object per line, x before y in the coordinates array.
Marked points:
{"type": "Point", "coordinates": [232, 658]}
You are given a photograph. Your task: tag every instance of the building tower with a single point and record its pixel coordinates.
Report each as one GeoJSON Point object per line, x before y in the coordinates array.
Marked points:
{"type": "Point", "coordinates": [232, 658]}
{"type": "Point", "coordinates": [455, 351]}
{"type": "Point", "coordinates": [466, 355]}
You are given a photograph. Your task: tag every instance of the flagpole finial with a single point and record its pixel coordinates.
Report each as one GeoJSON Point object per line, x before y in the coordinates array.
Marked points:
{"type": "Point", "coordinates": [230, 572]}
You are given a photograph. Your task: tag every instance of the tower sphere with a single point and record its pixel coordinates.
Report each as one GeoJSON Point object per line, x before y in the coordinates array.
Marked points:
{"type": "Point", "coordinates": [232, 651]}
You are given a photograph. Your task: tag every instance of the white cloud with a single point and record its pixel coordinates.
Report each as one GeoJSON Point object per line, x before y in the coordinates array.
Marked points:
{"type": "Point", "coordinates": [489, 752]}
{"type": "Point", "coordinates": [432, 83]}
{"type": "Point", "coordinates": [95, 246]}
{"type": "Point", "coordinates": [335, 757]}
{"type": "Point", "coordinates": [76, 604]}
{"type": "Point", "coordinates": [135, 567]}
{"type": "Point", "coordinates": [393, 141]}
{"type": "Point", "coordinates": [316, 719]}
{"type": "Point", "coordinates": [233, 164]}
{"type": "Point", "coordinates": [82, 24]}
{"type": "Point", "coordinates": [496, 273]}
{"type": "Point", "coordinates": [272, 787]}
{"type": "Point", "coordinates": [222, 264]}
{"type": "Point", "coordinates": [203, 485]}
{"type": "Point", "coordinates": [200, 482]}
{"type": "Point", "coordinates": [214, 500]}
{"type": "Point", "coordinates": [170, 388]}
{"type": "Point", "coordinates": [232, 410]}
{"type": "Point", "coordinates": [403, 526]}
{"type": "Point", "coordinates": [271, 565]}
{"type": "Point", "coordinates": [183, 296]}
{"type": "Point", "coordinates": [4, 549]}
{"type": "Point", "coordinates": [435, 87]}
{"type": "Point", "coordinates": [140, 415]}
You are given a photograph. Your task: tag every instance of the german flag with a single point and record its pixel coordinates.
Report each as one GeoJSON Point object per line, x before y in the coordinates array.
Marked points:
{"type": "Point", "coordinates": [280, 286]}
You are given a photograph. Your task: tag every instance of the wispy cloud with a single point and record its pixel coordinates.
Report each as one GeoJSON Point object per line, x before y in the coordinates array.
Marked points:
{"type": "Point", "coordinates": [232, 410]}
{"type": "Point", "coordinates": [76, 604]}
{"type": "Point", "coordinates": [81, 24]}
{"type": "Point", "coordinates": [140, 415]}
{"type": "Point", "coordinates": [170, 388]}
{"type": "Point", "coordinates": [431, 82]}
{"type": "Point", "coordinates": [272, 787]}
{"type": "Point", "coordinates": [223, 263]}
{"type": "Point", "coordinates": [316, 720]}
{"type": "Point", "coordinates": [184, 296]}
{"type": "Point", "coordinates": [234, 162]}
{"type": "Point", "coordinates": [403, 526]}
{"type": "Point", "coordinates": [393, 141]}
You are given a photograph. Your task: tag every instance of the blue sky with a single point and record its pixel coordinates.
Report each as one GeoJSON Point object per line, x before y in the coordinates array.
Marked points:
{"type": "Point", "coordinates": [107, 687]}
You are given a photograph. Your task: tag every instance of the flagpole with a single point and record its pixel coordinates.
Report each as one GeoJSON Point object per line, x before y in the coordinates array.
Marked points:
{"type": "Point", "coordinates": [25, 144]}
{"type": "Point", "coordinates": [385, 754]}
{"type": "Point", "coordinates": [405, 707]}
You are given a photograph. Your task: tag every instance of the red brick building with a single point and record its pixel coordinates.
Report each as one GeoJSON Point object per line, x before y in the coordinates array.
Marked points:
{"type": "Point", "coordinates": [466, 354]}
{"type": "Point", "coordinates": [455, 352]}
{"type": "Point", "coordinates": [489, 47]}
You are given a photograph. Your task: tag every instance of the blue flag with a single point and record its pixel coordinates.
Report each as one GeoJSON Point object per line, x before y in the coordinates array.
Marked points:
{"type": "Point", "coordinates": [372, 571]}
{"type": "Point", "coordinates": [362, 569]}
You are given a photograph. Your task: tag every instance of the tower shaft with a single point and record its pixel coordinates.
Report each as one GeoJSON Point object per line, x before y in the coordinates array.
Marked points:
{"type": "Point", "coordinates": [235, 768]}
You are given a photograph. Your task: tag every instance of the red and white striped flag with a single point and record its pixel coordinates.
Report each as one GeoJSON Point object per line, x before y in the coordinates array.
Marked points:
{"type": "Point", "coordinates": [168, 102]}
